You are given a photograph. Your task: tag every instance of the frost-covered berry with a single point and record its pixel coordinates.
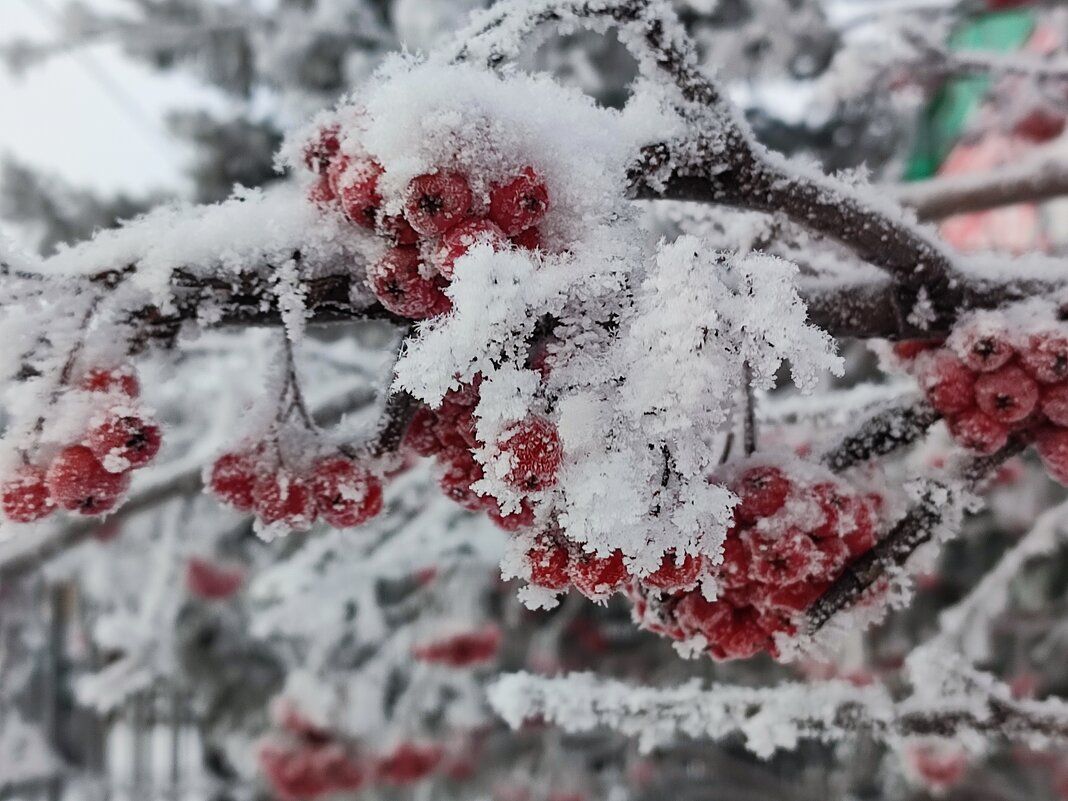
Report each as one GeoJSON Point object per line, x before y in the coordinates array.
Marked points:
{"type": "Point", "coordinates": [939, 767]}
{"type": "Point", "coordinates": [24, 496]}
{"type": "Point", "coordinates": [512, 521]}
{"type": "Point", "coordinates": [397, 230]}
{"type": "Point", "coordinates": [346, 494]}
{"type": "Point", "coordinates": [124, 442]}
{"type": "Point", "coordinates": [320, 152]}
{"type": "Point", "coordinates": [438, 201]}
{"type": "Point", "coordinates": [984, 351]}
{"type": "Point", "coordinates": [949, 384]}
{"type": "Point", "coordinates": [536, 454]}
{"type": "Point", "coordinates": [520, 203]}
{"type": "Point", "coordinates": [420, 436]}
{"type": "Point", "coordinates": [410, 762]}
{"type": "Point", "coordinates": [597, 577]}
{"type": "Point", "coordinates": [210, 581]}
{"type": "Point", "coordinates": [1046, 357]}
{"type": "Point", "coordinates": [284, 498]}
{"type": "Point", "coordinates": [116, 380]}
{"type": "Point", "coordinates": [232, 478]}
{"type": "Point", "coordinates": [78, 482]}
{"type": "Point", "coordinates": [1054, 404]}
{"type": "Point", "coordinates": [461, 471]}
{"type": "Point", "coordinates": [672, 576]}
{"type": "Point", "coordinates": [978, 432]}
{"type": "Point", "coordinates": [464, 237]}
{"type": "Point", "coordinates": [761, 493]}
{"type": "Point", "coordinates": [398, 283]}
{"type": "Point", "coordinates": [1052, 446]}
{"type": "Point", "coordinates": [549, 562]}
{"type": "Point", "coordinates": [322, 193]}
{"type": "Point", "coordinates": [1007, 395]}
{"type": "Point", "coordinates": [529, 239]}
{"type": "Point", "coordinates": [789, 557]}
{"type": "Point", "coordinates": [357, 190]}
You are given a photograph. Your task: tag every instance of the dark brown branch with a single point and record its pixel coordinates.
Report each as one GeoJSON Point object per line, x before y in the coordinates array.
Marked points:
{"type": "Point", "coordinates": [909, 533]}
{"type": "Point", "coordinates": [882, 433]}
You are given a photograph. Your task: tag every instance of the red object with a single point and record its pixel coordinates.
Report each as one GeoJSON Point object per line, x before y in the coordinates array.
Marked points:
{"type": "Point", "coordinates": [976, 431]}
{"type": "Point", "coordinates": [672, 577]}
{"type": "Point", "coordinates": [120, 379]}
{"type": "Point", "coordinates": [1008, 395]}
{"type": "Point", "coordinates": [761, 493]}
{"type": "Point", "coordinates": [529, 239]}
{"type": "Point", "coordinates": [520, 203]}
{"type": "Point", "coordinates": [549, 565]}
{"type": "Point", "coordinates": [1052, 444]}
{"type": "Point", "coordinates": [357, 189]}
{"type": "Point", "coordinates": [534, 446]}
{"type": "Point", "coordinates": [284, 498]}
{"type": "Point", "coordinates": [462, 650]}
{"type": "Point", "coordinates": [949, 384]}
{"type": "Point", "coordinates": [25, 496]}
{"type": "Point", "coordinates": [985, 351]}
{"type": "Point", "coordinates": [420, 436]}
{"type": "Point", "coordinates": [597, 577]}
{"type": "Point", "coordinates": [409, 763]}
{"type": "Point", "coordinates": [437, 202]}
{"type": "Point", "coordinates": [319, 153]}
{"type": "Point", "coordinates": [398, 283]}
{"type": "Point", "coordinates": [464, 237]}
{"type": "Point", "coordinates": [128, 438]}
{"type": "Point", "coordinates": [1055, 404]}
{"type": "Point", "coordinates": [346, 494]}
{"type": "Point", "coordinates": [211, 581]}
{"type": "Point", "coordinates": [1046, 357]}
{"type": "Point", "coordinates": [79, 483]}
{"type": "Point", "coordinates": [233, 476]}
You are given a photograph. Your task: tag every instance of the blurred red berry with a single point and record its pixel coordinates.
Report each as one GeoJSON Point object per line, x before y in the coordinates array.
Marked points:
{"type": "Point", "coordinates": [78, 482]}
{"type": "Point", "coordinates": [24, 496]}
{"type": "Point", "coordinates": [232, 478]}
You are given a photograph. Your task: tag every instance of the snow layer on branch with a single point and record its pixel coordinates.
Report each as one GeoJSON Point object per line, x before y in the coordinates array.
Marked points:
{"type": "Point", "coordinates": [769, 719]}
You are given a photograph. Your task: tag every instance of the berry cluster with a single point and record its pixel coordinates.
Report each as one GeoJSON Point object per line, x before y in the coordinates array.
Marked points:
{"type": "Point", "coordinates": [791, 539]}
{"type": "Point", "coordinates": [442, 218]}
{"type": "Point", "coordinates": [335, 488]}
{"type": "Point", "coordinates": [88, 477]}
{"type": "Point", "coordinates": [556, 563]}
{"type": "Point", "coordinates": [310, 762]}
{"type": "Point", "coordinates": [990, 383]}
{"type": "Point", "coordinates": [448, 434]}
{"type": "Point", "coordinates": [462, 650]}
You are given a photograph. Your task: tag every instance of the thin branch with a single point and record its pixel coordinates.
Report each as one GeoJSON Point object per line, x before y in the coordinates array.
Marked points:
{"type": "Point", "coordinates": [880, 434]}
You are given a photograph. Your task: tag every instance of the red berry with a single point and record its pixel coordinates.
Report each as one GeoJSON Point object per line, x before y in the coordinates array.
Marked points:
{"type": "Point", "coordinates": [464, 237]}
{"type": "Point", "coordinates": [673, 577]}
{"type": "Point", "coordinates": [799, 596]}
{"type": "Point", "coordinates": [529, 239]}
{"type": "Point", "coordinates": [284, 498]}
{"type": "Point", "coordinates": [949, 384]}
{"type": "Point", "coordinates": [862, 538]}
{"type": "Point", "coordinates": [346, 494]}
{"type": "Point", "coordinates": [1040, 124]}
{"type": "Point", "coordinates": [210, 581]}
{"type": "Point", "coordinates": [761, 492]}
{"type": "Point", "coordinates": [339, 770]}
{"type": "Point", "coordinates": [520, 203]}
{"type": "Point", "coordinates": [438, 201]}
{"type": "Point", "coordinates": [937, 767]}
{"type": "Point", "coordinates": [984, 350]}
{"type": "Point", "coordinates": [420, 436]}
{"type": "Point", "coordinates": [319, 153]}
{"type": "Point", "coordinates": [322, 192]}
{"type": "Point", "coordinates": [549, 563]}
{"type": "Point", "coordinates": [597, 577]}
{"type": "Point", "coordinates": [463, 650]}
{"type": "Point", "coordinates": [911, 348]}
{"type": "Point", "coordinates": [1008, 395]}
{"type": "Point", "coordinates": [409, 763]}
{"type": "Point", "coordinates": [403, 289]}
{"type": "Point", "coordinates": [233, 476]}
{"type": "Point", "coordinates": [976, 431]}
{"type": "Point", "coordinates": [24, 496]}
{"type": "Point", "coordinates": [510, 522]}
{"type": "Point", "coordinates": [698, 616]}
{"type": "Point", "coordinates": [120, 379]}
{"type": "Point", "coordinates": [792, 556]}
{"type": "Point", "coordinates": [737, 562]}
{"type": "Point", "coordinates": [461, 471]}
{"type": "Point", "coordinates": [1052, 446]}
{"type": "Point", "coordinates": [1046, 357]}
{"type": "Point", "coordinates": [398, 230]}
{"type": "Point", "coordinates": [79, 483]}
{"type": "Point", "coordinates": [127, 441]}
{"type": "Point", "coordinates": [536, 453]}
{"type": "Point", "coordinates": [357, 189]}
{"type": "Point", "coordinates": [1055, 404]}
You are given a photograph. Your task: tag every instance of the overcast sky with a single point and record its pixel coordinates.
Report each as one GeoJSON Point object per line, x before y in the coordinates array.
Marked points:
{"type": "Point", "coordinates": [91, 116]}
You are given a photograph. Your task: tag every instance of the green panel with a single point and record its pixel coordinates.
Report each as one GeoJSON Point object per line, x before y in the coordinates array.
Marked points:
{"type": "Point", "coordinates": [948, 114]}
